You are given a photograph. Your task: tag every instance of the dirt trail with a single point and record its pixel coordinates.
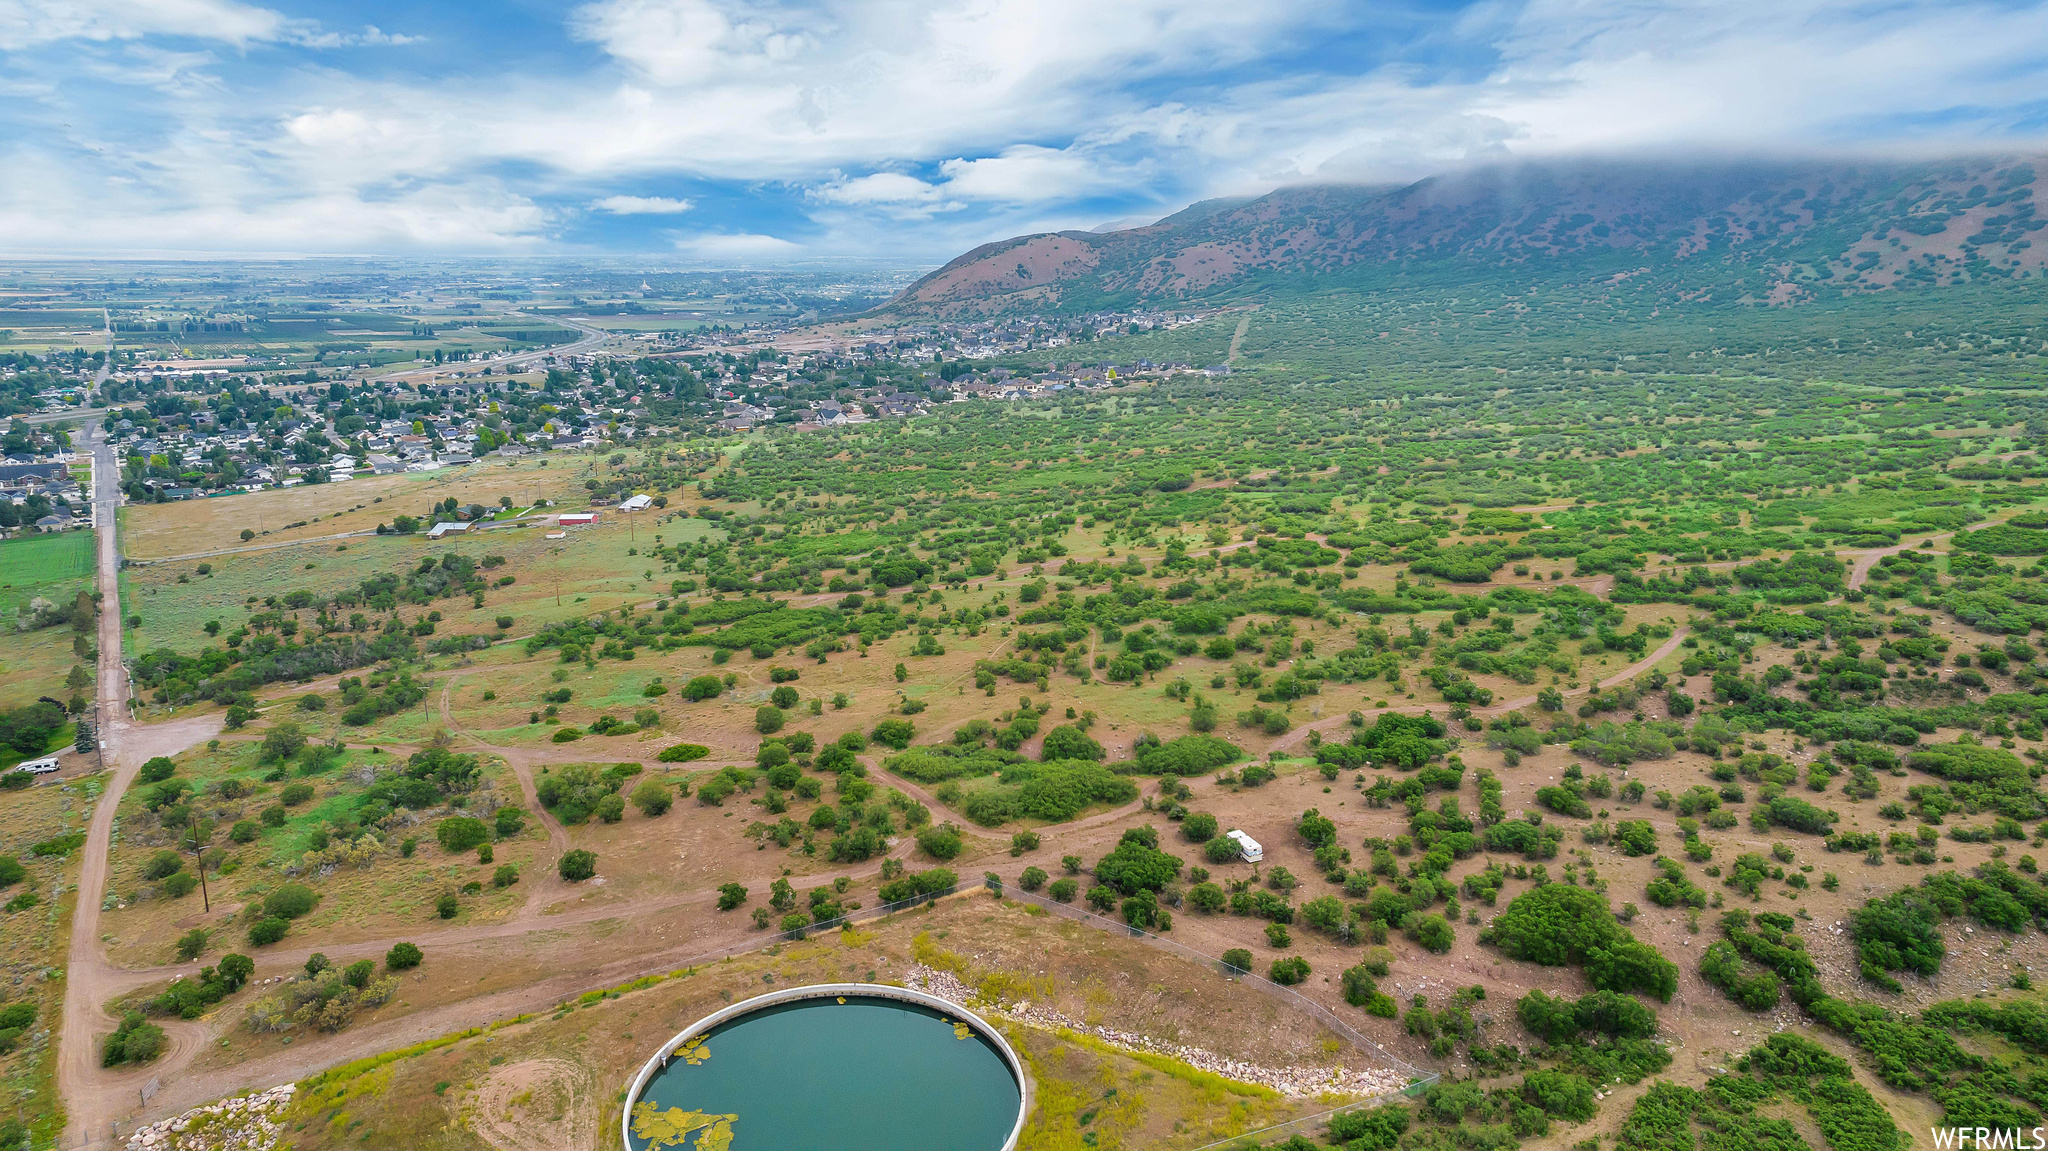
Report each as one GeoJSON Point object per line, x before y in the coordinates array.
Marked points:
{"type": "Point", "coordinates": [1237, 337]}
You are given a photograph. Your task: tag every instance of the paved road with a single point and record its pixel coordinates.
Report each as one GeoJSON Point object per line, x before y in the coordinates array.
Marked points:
{"type": "Point", "coordinates": [592, 339]}
{"type": "Point", "coordinates": [93, 1096]}
{"type": "Point", "coordinates": [75, 1043]}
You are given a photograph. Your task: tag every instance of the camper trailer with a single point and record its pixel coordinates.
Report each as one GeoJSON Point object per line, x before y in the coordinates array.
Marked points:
{"type": "Point", "coordinates": [1247, 847]}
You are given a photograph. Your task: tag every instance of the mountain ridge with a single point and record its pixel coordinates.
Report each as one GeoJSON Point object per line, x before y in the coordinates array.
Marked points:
{"type": "Point", "coordinates": [1764, 231]}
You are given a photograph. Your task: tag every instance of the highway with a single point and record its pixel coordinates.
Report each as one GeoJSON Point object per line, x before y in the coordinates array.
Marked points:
{"type": "Point", "coordinates": [593, 338]}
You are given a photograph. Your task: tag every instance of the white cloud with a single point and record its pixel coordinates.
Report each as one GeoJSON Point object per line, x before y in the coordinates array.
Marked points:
{"type": "Point", "coordinates": [737, 246]}
{"type": "Point", "coordinates": [1027, 173]}
{"type": "Point", "coordinates": [641, 206]}
{"type": "Point", "coordinates": [942, 123]}
{"type": "Point", "coordinates": [24, 23]}
{"type": "Point", "coordinates": [32, 23]}
{"type": "Point", "coordinates": [880, 188]}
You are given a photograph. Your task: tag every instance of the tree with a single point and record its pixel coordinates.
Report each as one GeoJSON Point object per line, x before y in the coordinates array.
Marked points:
{"type": "Point", "coordinates": [461, 833]}
{"type": "Point", "coordinates": [1238, 960]}
{"type": "Point", "coordinates": [402, 957]}
{"type": "Point", "coordinates": [896, 733]}
{"type": "Point", "coordinates": [248, 534]}
{"type": "Point", "coordinates": [1433, 932]}
{"type": "Point", "coordinates": [578, 865]}
{"type": "Point", "coordinates": [234, 970]}
{"type": "Point", "coordinates": [282, 742]}
{"type": "Point", "coordinates": [652, 797]}
{"type": "Point", "coordinates": [1069, 742]}
{"type": "Point", "coordinates": [768, 719]}
{"type": "Point", "coordinates": [731, 895]}
{"type": "Point", "coordinates": [942, 841]}
{"type": "Point", "coordinates": [784, 697]}
{"type": "Point", "coordinates": [1198, 827]}
{"type": "Point", "coordinates": [1137, 864]}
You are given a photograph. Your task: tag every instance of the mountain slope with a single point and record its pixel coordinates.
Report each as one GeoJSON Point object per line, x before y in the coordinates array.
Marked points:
{"type": "Point", "coordinates": [1766, 231]}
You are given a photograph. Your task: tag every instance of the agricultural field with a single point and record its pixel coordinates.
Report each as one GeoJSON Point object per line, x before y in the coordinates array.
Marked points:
{"type": "Point", "coordinates": [52, 567]}
{"type": "Point", "coordinates": [317, 511]}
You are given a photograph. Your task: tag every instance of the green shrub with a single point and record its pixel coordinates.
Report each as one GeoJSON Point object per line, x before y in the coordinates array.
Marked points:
{"type": "Point", "coordinates": [652, 797]}
{"type": "Point", "coordinates": [135, 1041]}
{"type": "Point", "coordinates": [461, 833]}
{"type": "Point", "coordinates": [683, 752]}
{"type": "Point", "coordinates": [267, 931]}
{"type": "Point", "coordinates": [1635, 837]}
{"type": "Point", "coordinates": [577, 865]}
{"type": "Point", "coordinates": [402, 957]}
{"type": "Point", "coordinates": [162, 865]}
{"type": "Point", "coordinates": [1369, 1129]}
{"type": "Point", "coordinates": [290, 901]}
{"type": "Point", "coordinates": [941, 841]}
{"type": "Point", "coordinates": [1900, 932]}
{"type": "Point", "coordinates": [1289, 971]}
{"type": "Point", "coordinates": [1559, 925]}
{"type": "Point", "coordinates": [1560, 1093]}
{"type": "Point", "coordinates": [917, 884]}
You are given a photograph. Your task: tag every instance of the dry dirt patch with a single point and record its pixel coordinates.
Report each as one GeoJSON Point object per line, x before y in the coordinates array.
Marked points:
{"type": "Point", "coordinates": [535, 1105]}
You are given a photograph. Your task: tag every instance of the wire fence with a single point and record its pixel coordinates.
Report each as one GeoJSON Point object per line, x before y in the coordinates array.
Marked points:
{"type": "Point", "coordinates": [1419, 1079]}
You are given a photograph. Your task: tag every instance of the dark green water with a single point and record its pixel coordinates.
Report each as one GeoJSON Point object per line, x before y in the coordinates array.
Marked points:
{"type": "Point", "coordinates": [819, 1075]}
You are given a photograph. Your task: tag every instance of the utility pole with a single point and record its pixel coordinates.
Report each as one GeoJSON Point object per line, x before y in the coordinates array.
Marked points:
{"type": "Point", "coordinates": [199, 836]}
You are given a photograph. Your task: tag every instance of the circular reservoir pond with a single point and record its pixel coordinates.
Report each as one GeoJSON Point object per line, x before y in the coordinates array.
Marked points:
{"type": "Point", "coordinates": [828, 1068]}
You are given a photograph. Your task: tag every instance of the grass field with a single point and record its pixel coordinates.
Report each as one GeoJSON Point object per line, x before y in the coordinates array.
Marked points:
{"type": "Point", "coordinates": [595, 569]}
{"type": "Point", "coordinates": [32, 940]}
{"type": "Point", "coordinates": [34, 663]}
{"type": "Point", "coordinates": [384, 891]}
{"type": "Point", "coordinates": [152, 531]}
{"type": "Point", "coordinates": [53, 566]}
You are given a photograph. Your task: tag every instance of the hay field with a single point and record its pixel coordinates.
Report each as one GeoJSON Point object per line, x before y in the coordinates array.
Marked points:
{"type": "Point", "coordinates": [155, 531]}
{"type": "Point", "coordinates": [589, 570]}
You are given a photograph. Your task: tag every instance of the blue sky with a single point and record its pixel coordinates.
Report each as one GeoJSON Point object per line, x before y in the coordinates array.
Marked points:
{"type": "Point", "coordinates": [720, 133]}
